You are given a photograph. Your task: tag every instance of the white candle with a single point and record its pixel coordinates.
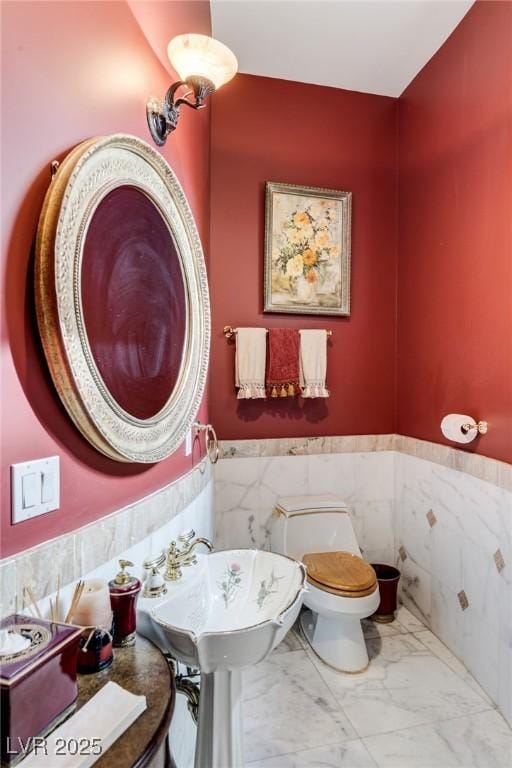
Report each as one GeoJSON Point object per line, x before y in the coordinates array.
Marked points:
{"type": "Point", "coordinates": [93, 609]}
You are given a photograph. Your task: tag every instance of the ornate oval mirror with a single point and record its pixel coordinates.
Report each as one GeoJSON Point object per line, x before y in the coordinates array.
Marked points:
{"type": "Point", "coordinates": [122, 298]}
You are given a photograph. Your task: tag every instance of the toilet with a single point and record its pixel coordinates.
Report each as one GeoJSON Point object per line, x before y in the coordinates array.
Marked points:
{"type": "Point", "coordinates": [342, 587]}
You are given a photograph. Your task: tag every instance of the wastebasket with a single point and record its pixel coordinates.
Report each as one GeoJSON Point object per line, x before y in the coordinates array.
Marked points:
{"type": "Point", "coordinates": [388, 578]}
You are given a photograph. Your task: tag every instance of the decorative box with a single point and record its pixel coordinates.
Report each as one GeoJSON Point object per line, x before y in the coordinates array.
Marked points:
{"type": "Point", "coordinates": [37, 684]}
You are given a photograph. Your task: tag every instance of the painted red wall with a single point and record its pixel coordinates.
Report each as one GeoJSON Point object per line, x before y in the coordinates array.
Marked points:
{"type": "Point", "coordinates": [70, 71]}
{"type": "Point", "coordinates": [265, 129]}
{"type": "Point", "coordinates": [455, 248]}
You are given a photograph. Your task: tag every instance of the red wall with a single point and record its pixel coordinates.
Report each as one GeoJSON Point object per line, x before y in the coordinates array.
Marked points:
{"type": "Point", "coordinates": [73, 70]}
{"type": "Point", "coordinates": [70, 71]}
{"type": "Point", "coordinates": [265, 129]}
{"type": "Point", "coordinates": [455, 249]}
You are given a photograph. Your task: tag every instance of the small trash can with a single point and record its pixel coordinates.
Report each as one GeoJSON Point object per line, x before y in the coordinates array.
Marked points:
{"type": "Point", "coordinates": [388, 578]}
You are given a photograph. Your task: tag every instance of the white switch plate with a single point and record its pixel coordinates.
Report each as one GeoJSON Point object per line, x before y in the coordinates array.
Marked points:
{"type": "Point", "coordinates": [188, 443]}
{"type": "Point", "coordinates": [35, 488]}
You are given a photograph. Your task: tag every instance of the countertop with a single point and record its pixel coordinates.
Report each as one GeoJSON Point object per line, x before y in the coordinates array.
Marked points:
{"type": "Point", "coordinates": [143, 670]}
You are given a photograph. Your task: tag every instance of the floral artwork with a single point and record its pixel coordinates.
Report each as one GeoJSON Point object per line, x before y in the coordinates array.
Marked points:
{"type": "Point", "coordinates": [231, 582]}
{"type": "Point", "coordinates": [307, 250]}
{"type": "Point", "coordinates": [268, 588]}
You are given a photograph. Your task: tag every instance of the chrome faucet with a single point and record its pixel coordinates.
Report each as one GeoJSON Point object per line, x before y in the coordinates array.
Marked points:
{"type": "Point", "coordinates": [184, 556]}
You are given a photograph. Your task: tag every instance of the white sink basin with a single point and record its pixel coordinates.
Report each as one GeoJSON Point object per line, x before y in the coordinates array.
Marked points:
{"type": "Point", "coordinates": [230, 612]}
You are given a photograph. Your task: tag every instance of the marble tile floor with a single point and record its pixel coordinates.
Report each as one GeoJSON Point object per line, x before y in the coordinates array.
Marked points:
{"type": "Point", "coordinates": [415, 707]}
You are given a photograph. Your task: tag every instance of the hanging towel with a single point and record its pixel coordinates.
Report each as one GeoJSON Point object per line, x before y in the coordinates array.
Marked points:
{"type": "Point", "coordinates": [283, 363]}
{"type": "Point", "coordinates": [250, 362]}
{"type": "Point", "coordinates": [313, 363]}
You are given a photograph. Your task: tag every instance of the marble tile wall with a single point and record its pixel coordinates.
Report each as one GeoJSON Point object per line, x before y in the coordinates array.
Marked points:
{"type": "Point", "coordinates": [444, 515]}
{"type": "Point", "coordinates": [455, 531]}
{"type": "Point", "coordinates": [495, 472]}
{"type": "Point", "coordinates": [246, 490]}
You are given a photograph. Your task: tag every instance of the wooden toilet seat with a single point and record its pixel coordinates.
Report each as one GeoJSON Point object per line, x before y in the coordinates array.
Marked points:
{"type": "Point", "coordinates": [341, 573]}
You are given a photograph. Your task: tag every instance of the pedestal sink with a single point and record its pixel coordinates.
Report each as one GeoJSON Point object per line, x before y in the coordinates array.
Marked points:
{"type": "Point", "coordinates": [230, 612]}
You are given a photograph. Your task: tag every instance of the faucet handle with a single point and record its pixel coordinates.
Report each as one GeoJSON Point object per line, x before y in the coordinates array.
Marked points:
{"type": "Point", "coordinates": [154, 562]}
{"type": "Point", "coordinates": [187, 536]}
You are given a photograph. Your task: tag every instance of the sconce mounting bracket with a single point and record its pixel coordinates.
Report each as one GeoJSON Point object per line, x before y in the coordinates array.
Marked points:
{"type": "Point", "coordinates": [163, 116]}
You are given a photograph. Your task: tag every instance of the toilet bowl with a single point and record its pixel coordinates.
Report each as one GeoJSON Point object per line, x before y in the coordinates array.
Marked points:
{"type": "Point", "coordinates": [342, 587]}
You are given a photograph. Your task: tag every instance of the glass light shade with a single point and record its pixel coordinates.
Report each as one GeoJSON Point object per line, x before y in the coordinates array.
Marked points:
{"type": "Point", "coordinates": [202, 56]}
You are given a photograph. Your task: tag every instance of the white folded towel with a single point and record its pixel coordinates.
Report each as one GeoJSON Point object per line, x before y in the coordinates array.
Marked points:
{"type": "Point", "coordinates": [98, 723]}
{"type": "Point", "coordinates": [251, 353]}
{"type": "Point", "coordinates": [313, 363]}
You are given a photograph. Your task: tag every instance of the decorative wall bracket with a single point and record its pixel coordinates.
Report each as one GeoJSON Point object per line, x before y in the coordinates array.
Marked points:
{"type": "Point", "coordinates": [163, 116]}
{"type": "Point", "coordinates": [481, 427]}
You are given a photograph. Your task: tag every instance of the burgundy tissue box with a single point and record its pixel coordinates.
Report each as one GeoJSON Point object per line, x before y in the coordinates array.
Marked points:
{"type": "Point", "coordinates": [37, 685]}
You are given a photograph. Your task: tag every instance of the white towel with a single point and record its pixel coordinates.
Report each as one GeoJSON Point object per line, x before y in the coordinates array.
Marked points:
{"type": "Point", "coordinates": [101, 721]}
{"type": "Point", "coordinates": [251, 353]}
{"type": "Point", "coordinates": [313, 363]}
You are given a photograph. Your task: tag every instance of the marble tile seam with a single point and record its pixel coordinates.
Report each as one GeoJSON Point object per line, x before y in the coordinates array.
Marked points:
{"type": "Point", "coordinates": [420, 724]}
{"type": "Point", "coordinates": [430, 723]}
{"type": "Point", "coordinates": [298, 752]}
{"type": "Point", "coordinates": [488, 703]}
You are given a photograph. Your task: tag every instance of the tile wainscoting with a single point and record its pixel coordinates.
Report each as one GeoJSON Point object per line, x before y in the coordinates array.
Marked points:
{"type": "Point", "coordinates": [448, 512]}
{"type": "Point", "coordinates": [443, 514]}
{"type": "Point", "coordinates": [496, 472]}
{"type": "Point", "coordinates": [132, 532]}
{"type": "Point", "coordinates": [454, 532]}
{"type": "Point", "coordinates": [246, 491]}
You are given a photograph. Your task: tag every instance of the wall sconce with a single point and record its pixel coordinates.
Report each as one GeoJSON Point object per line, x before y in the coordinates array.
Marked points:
{"type": "Point", "coordinates": [204, 64]}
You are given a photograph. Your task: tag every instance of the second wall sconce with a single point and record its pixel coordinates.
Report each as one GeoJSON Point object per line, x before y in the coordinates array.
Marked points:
{"type": "Point", "coordinates": [203, 64]}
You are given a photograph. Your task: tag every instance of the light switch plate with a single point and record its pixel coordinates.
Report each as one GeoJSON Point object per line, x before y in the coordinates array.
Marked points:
{"type": "Point", "coordinates": [35, 488]}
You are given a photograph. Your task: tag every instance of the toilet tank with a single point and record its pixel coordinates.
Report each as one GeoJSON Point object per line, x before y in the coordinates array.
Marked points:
{"type": "Point", "coordinates": [302, 524]}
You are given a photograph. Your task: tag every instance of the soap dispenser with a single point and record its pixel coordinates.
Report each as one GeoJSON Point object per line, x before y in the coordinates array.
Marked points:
{"type": "Point", "coordinates": [124, 591]}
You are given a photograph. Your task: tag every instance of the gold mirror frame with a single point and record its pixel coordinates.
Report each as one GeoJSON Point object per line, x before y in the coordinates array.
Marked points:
{"type": "Point", "coordinates": [89, 172]}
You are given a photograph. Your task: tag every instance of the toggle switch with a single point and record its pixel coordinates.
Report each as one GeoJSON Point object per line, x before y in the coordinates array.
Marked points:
{"type": "Point", "coordinates": [47, 486]}
{"type": "Point", "coordinates": [30, 489]}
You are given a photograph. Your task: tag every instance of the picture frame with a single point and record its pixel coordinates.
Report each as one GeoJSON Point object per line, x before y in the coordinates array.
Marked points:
{"type": "Point", "coordinates": [307, 250]}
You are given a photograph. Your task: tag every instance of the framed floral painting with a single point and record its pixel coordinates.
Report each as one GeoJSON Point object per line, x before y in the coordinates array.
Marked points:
{"type": "Point", "coordinates": [307, 250]}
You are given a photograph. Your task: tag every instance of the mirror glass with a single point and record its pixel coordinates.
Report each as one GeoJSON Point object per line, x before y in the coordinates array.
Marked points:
{"type": "Point", "coordinates": [134, 301]}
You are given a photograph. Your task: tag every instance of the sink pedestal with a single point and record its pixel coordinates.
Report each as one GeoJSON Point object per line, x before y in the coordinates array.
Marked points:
{"type": "Point", "coordinates": [219, 729]}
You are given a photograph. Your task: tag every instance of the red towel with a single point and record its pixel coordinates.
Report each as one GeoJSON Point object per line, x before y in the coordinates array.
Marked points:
{"type": "Point", "coordinates": [283, 363]}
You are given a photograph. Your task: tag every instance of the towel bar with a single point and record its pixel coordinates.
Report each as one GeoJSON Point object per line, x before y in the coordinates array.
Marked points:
{"type": "Point", "coordinates": [229, 331]}
{"type": "Point", "coordinates": [211, 441]}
